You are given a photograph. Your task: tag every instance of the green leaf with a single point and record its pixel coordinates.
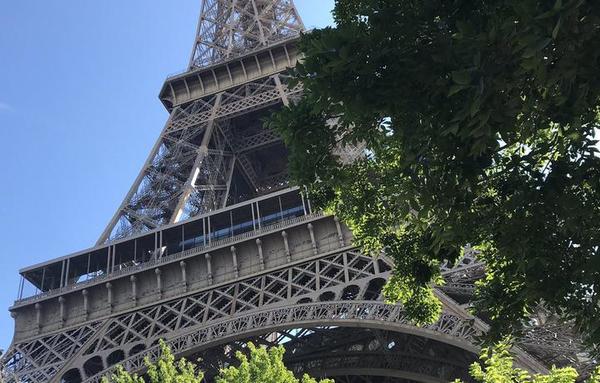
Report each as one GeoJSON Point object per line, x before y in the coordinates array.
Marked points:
{"type": "Point", "coordinates": [476, 161]}
{"type": "Point", "coordinates": [477, 59]}
{"type": "Point", "coordinates": [456, 88]}
{"type": "Point", "coordinates": [461, 77]}
{"type": "Point", "coordinates": [529, 64]}
{"type": "Point", "coordinates": [452, 129]}
{"type": "Point", "coordinates": [557, 5]}
{"type": "Point", "coordinates": [556, 28]}
{"type": "Point", "coordinates": [535, 49]}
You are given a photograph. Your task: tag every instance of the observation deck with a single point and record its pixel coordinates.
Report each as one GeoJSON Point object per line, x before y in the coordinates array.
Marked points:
{"type": "Point", "coordinates": [227, 244]}
{"type": "Point", "coordinates": [197, 83]}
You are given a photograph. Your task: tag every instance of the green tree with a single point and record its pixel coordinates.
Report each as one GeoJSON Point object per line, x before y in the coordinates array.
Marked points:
{"type": "Point", "coordinates": [496, 366]}
{"type": "Point", "coordinates": [478, 121]}
{"type": "Point", "coordinates": [266, 366]}
{"type": "Point", "coordinates": [165, 370]}
{"type": "Point", "coordinates": [263, 366]}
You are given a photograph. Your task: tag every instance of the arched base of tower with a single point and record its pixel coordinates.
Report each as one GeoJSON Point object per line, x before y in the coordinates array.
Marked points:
{"type": "Point", "coordinates": [351, 354]}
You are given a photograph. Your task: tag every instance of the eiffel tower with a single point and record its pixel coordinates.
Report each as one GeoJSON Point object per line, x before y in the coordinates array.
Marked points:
{"type": "Point", "coordinates": [211, 247]}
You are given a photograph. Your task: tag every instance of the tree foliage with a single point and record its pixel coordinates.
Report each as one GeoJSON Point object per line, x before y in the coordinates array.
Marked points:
{"type": "Point", "coordinates": [165, 370]}
{"type": "Point", "coordinates": [478, 120]}
{"type": "Point", "coordinates": [496, 366]}
{"type": "Point", "coordinates": [264, 366]}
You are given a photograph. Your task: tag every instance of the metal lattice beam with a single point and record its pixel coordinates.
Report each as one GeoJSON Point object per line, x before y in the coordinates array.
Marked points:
{"type": "Point", "coordinates": [229, 28]}
{"type": "Point", "coordinates": [342, 289]}
{"type": "Point", "coordinates": [314, 305]}
{"type": "Point", "coordinates": [188, 170]}
{"type": "Point", "coordinates": [166, 188]}
{"type": "Point", "coordinates": [329, 351]}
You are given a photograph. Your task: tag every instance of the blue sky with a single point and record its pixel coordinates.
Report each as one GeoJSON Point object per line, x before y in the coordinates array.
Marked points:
{"type": "Point", "coordinates": [78, 115]}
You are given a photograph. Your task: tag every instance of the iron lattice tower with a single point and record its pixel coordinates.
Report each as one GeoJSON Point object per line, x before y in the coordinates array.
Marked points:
{"type": "Point", "coordinates": [239, 52]}
{"type": "Point", "coordinates": [211, 247]}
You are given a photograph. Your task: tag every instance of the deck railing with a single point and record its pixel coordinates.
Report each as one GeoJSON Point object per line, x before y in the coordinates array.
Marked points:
{"type": "Point", "coordinates": [170, 258]}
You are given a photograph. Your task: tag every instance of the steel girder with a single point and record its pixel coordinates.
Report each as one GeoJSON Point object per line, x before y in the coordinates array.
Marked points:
{"type": "Point", "coordinates": [230, 28]}
{"type": "Point", "coordinates": [190, 167]}
{"type": "Point", "coordinates": [168, 187]}
{"type": "Point", "coordinates": [189, 171]}
{"type": "Point", "coordinates": [343, 289]}
{"type": "Point", "coordinates": [41, 359]}
{"type": "Point", "coordinates": [331, 351]}
{"type": "Point", "coordinates": [550, 338]}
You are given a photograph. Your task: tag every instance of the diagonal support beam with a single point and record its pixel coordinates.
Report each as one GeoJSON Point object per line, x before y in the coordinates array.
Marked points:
{"type": "Point", "coordinates": [202, 152]}
{"type": "Point", "coordinates": [147, 164]}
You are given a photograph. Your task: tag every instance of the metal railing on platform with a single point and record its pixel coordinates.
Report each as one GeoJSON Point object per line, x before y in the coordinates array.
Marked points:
{"type": "Point", "coordinates": [169, 258]}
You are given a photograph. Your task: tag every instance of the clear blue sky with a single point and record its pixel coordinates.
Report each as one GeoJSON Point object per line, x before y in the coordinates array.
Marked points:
{"type": "Point", "coordinates": [78, 115]}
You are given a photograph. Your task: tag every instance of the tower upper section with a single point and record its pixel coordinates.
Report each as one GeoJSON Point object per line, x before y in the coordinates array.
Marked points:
{"type": "Point", "coordinates": [214, 150]}
{"type": "Point", "coordinates": [230, 28]}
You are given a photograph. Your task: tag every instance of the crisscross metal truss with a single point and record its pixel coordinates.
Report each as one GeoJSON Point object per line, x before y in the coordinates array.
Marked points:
{"type": "Point", "coordinates": [550, 338]}
{"type": "Point", "coordinates": [204, 145]}
{"type": "Point", "coordinates": [556, 342]}
{"type": "Point", "coordinates": [338, 352]}
{"type": "Point", "coordinates": [229, 28]}
{"type": "Point", "coordinates": [322, 276]}
{"type": "Point", "coordinates": [40, 359]}
{"type": "Point", "coordinates": [342, 289]}
{"type": "Point", "coordinates": [339, 288]}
